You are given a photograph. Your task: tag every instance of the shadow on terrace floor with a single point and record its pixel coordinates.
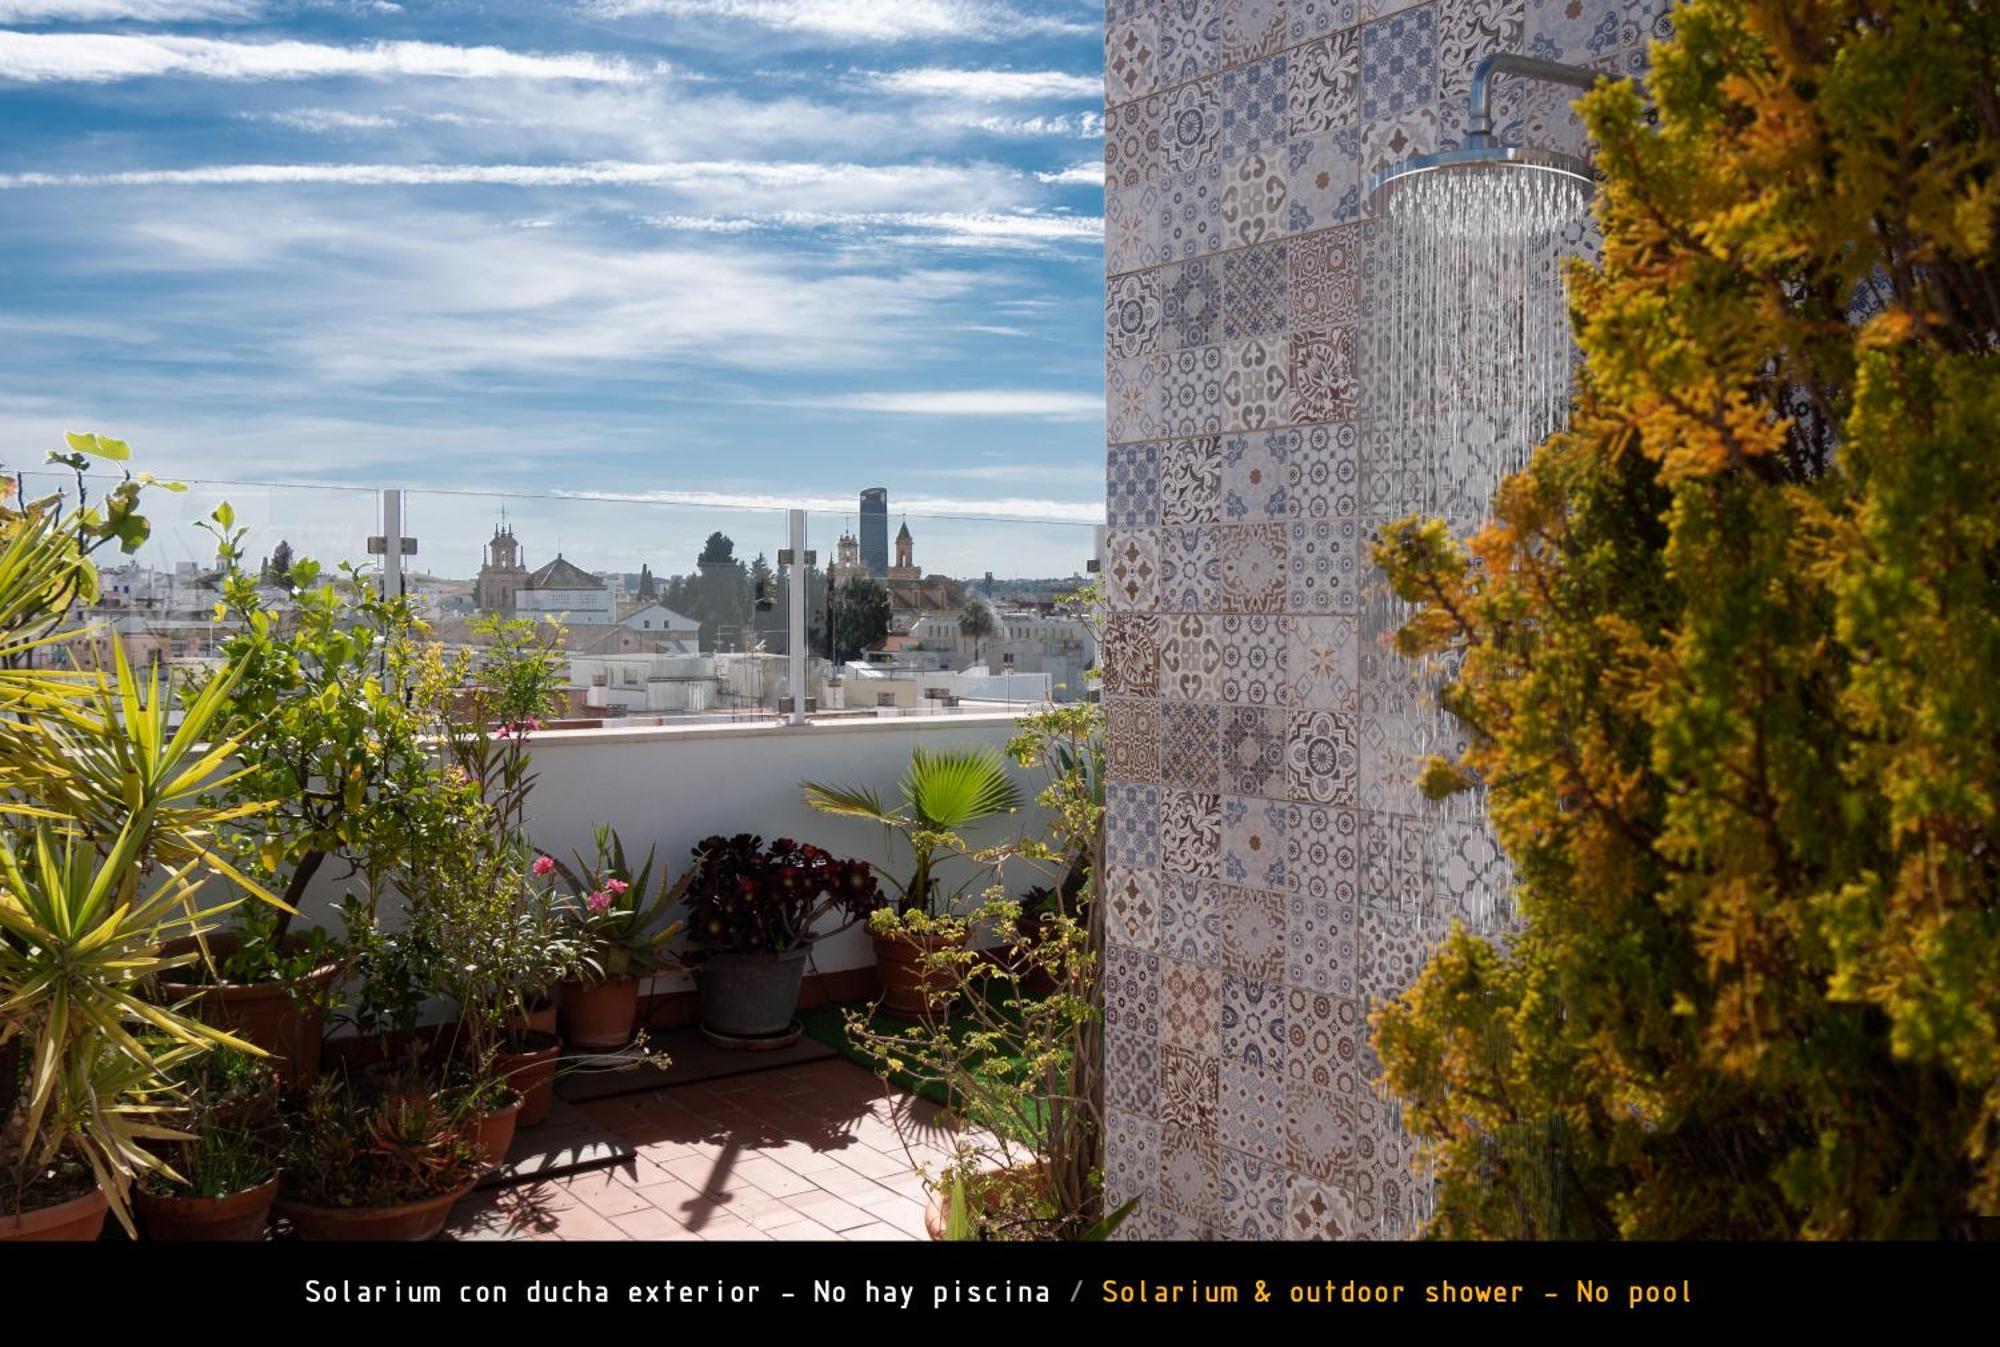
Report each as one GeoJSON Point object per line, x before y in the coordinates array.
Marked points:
{"type": "Point", "coordinates": [818, 1151]}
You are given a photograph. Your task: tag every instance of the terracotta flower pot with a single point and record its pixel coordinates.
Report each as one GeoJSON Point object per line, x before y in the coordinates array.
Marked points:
{"type": "Point", "coordinates": [909, 986]}
{"type": "Point", "coordinates": [79, 1219]}
{"type": "Point", "coordinates": [530, 1071]}
{"type": "Point", "coordinates": [239, 1216]}
{"type": "Point", "coordinates": [411, 1222]}
{"type": "Point", "coordinates": [937, 1212]}
{"type": "Point", "coordinates": [261, 1012]}
{"type": "Point", "coordinates": [599, 1017]}
{"type": "Point", "coordinates": [493, 1133]}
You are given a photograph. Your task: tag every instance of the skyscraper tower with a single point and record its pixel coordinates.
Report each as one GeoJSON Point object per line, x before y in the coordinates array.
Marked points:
{"type": "Point", "coordinates": [875, 530]}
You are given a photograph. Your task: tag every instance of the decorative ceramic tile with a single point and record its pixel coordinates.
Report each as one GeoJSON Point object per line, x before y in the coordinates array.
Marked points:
{"type": "Point", "coordinates": [1473, 881]}
{"type": "Point", "coordinates": [1132, 569]}
{"type": "Point", "coordinates": [1253, 1023]}
{"type": "Point", "coordinates": [1188, 220]}
{"type": "Point", "coordinates": [1131, 739]}
{"type": "Point", "coordinates": [1131, 58]}
{"type": "Point", "coordinates": [1191, 304]}
{"type": "Point", "coordinates": [1187, 1090]}
{"type": "Point", "coordinates": [1191, 481]}
{"type": "Point", "coordinates": [1191, 579]}
{"type": "Point", "coordinates": [1393, 139]}
{"type": "Point", "coordinates": [1253, 1111]}
{"type": "Point", "coordinates": [1132, 992]}
{"type": "Point", "coordinates": [1190, 918]}
{"type": "Point", "coordinates": [1132, 825]}
{"type": "Point", "coordinates": [1190, 126]}
{"type": "Point", "coordinates": [1190, 34]}
{"type": "Point", "coordinates": [1254, 651]}
{"type": "Point", "coordinates": [1330, 1136]}
{"type": "Point", "coordinates": [1322, 561]}
{"type": "Point", "coordinates": [1252, 563]}
{"type": "Point", "coordinates": [1579, 31]}
{"type": "Point", "coordinates": [1132, 391]}
{"type": "Point", "coordinates": [1323, 180]}
{"type": "Point", "coordinates": [1190, 659]}
{"type": "Point", "coordinates": [1399, 63]}
{"type": "Point", "coordinates": [1254, 745]}
{"type": "Point", "coordinates": [1253, 842]}
{"type": "Point", "coordinates": [1326, 79]}
{"type": "Point", "coordinates": [1132, 1073]}
{"type": "Point", "coordinates": [1131, 1159]}
{"type": "Point", "coordinates": [1253, 198]}
{"type": "Point", "coordinates": [1253, 108]}
{"type": "Point", "coordinates": [1132, 226]}
{"type": "Point", "coordinates": [1323, 945]}
{"type": "Point", "coordinates": [1393, 949]}
{"type": "Point", "coordinates": [1190, 832]}
{"type": "Point", "coordinates": [1322, 764]}
{"type": "Point", "coordinates": [1191, 391]}
{"type": "Point", "coordinates": [1256, 291]}
{"type": "Point", "coordinates": [1326, 277]}
{"type": "Point", "coordinates": [1132, 315]}
{"type": "Point", "coordinates": [1468, 31]}
{"type": "Point", "coordinates": [1252, 1197]}
{"type": "Point", "coordinates": [1134, 910]}
{"type": "Point", "coordinates": [1256, 384]}
{"type": "Point", "coordinates": [1318, 1211]}
{"type": "Point", "coordinates": [1190, 1007]}
{"type": "Point", "coordinates": [1132, 485]}
{"type": "Point", "coordinates": [1253, 933]}
{"type": "Point", "coordinates": [1255, 474]}
{"type": "Point", "coordinates": [1323, 853]}
{"type": "Point", "coordinates": [1308, 19]}
{"type": "Point", "coordinates": [1252, 28]}
{"type": "Point", "coordinates": [1323, 473]}
{"type": "Point", "coordinates": [1326, 1044]}
{"type": "Point", "coordinates": [1395, 861]}
{"type": "Point", "coordinates": [1132, 143]}
{"type": "Point", "coordinates": [1326, 374]}
{"type": "Point", "coordinates": [1188, 1178]}
{"type": "Point", "coordinates": [1393, 751]}
{"type": "Point", "coordinates": [1129, 654]}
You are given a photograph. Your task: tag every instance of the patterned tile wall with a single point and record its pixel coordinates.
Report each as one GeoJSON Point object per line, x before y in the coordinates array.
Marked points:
{"type": "Point", "coordinates": [1272, 870]}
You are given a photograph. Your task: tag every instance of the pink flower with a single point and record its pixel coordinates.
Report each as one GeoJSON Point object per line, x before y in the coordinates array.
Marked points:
{"type": "Point", "coordinates": [544, 866]}
{"type": "Point", "coordinates": [617, 886]}
{"type": "Point", "coordinates": [599, 903]}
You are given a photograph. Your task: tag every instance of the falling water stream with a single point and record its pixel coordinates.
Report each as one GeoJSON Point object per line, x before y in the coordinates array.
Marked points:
{"type": "Point", "coordinates": [1472, 367]}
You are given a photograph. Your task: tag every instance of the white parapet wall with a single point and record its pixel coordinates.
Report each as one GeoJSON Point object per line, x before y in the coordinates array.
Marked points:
{"type": "Point", "coordinates": [670, 786]}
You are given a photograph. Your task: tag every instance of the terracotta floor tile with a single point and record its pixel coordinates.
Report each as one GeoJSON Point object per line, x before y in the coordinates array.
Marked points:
{"type": "Point", "coordinates": [801, 1230]}
{"type": "Point", "coordinates": [835, 1213]}
{"type": "Point", "coordinates": [874, 1232]}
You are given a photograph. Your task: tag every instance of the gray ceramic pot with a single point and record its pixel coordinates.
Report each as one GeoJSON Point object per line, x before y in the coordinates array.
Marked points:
{"type": "Point", "coordinates": [751, 995]}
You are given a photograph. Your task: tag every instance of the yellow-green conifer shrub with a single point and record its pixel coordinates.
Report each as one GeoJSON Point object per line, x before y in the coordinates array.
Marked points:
{"type": "Point", "coordinates": [1731, 663]}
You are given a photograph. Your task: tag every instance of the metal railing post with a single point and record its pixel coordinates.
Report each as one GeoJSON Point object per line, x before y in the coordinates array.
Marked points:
{"type": "Point", "coordinates": [795, 602]}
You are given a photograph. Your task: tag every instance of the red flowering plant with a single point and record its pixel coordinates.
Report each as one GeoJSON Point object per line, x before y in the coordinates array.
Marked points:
{"type": "Point", "coordinates": [616, 911]}
{"type": "Point", "coordinates": [746, 897]}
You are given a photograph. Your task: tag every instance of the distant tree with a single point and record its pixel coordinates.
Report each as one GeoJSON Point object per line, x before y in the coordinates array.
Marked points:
{"type": "Point", "coordinates": [773, 623]}
{"type": "Point", "coordinates": [976, 624]}
{"type": "Point", "coordinates": [1726, 663]}
{"type": "Point", "coordinates": [861, 617]}
{"type": "Point", "coordinates": [278, 569]}
{"type": "Point", "coordinates": [648, 587]}
{"type": "Point", "coordinates": [718, 593]}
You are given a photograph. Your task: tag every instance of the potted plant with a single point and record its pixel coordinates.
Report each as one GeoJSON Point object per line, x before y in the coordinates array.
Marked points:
{"type": "Point", "coordinates": [263, 984]}
{"type": "Point", "coordinates": [366, 1166]}
{"type": "Point", "coordinates": [943, 793]}
{"type": "Point", "coordinates": [616, 916]}
{"type": "Point", "coordinates": [224, 1176]}
{"type": "Point", "coordinates": [753, 914]}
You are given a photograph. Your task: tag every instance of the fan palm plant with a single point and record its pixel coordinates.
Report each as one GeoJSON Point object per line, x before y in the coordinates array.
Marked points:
{"type": "Point", "coordinates": [943, 793]}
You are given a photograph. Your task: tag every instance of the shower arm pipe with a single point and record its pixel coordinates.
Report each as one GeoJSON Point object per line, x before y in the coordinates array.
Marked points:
{"type": "Point", "coordinates": [1479, 103]}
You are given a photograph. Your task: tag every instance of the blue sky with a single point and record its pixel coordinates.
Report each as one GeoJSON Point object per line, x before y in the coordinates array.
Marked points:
{"type": "Point", "coordinates": [766, 249]}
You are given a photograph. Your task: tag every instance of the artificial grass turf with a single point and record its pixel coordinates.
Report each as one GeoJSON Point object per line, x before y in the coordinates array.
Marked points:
{"type": "Point", "coordinates": [828, 1024]}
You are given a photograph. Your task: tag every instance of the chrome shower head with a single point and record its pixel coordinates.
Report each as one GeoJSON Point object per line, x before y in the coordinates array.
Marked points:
{"type": "Point", "coordinates": [1491, 157]}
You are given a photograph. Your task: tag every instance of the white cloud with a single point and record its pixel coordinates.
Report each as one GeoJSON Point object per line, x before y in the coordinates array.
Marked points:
{"type": "Point", "coordinates": [1076, 175]}
{"type": "Point", "coordinates": [137, 11]}
{"type": "Point", "coordinates": [857, 21]}
{"type": "Point", "coordinates": [948, 227]}
{"type": "Point", "coordinates": [100, 58]}
{"type": "Point", "coordinates": [1083, 125]}
{"type": "Point", "coordinates": [990, 86]}
{"type": "Point", "coordinates": [971, 402]}
{"type": "Point", "coordinates": [319, 121]}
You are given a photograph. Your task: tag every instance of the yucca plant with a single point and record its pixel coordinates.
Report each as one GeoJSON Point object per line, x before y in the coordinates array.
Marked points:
{"type": "Point", "coordinates": [943, 793]}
